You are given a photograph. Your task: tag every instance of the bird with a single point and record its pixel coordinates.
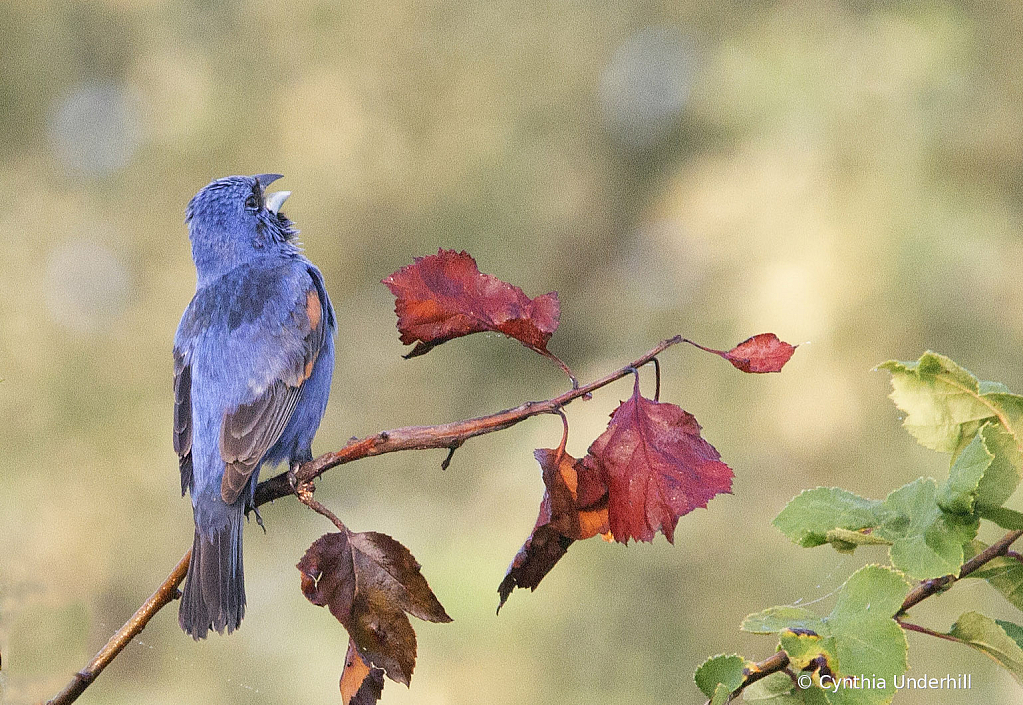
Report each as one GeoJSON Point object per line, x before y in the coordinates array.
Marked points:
{"type": "Point", "coordinates": [253, 362]}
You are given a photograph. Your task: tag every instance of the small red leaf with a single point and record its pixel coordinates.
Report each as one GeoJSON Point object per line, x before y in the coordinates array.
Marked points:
{"type": "Point", "coordinates": [360, 683]}
{"type": "Point", "coordinates": [657, 467]}
{"type": "Point", "coordinates": [369, 581]}
{"type": "Point", "coordinates": [759, 354]}
{"type": "Point", "coordinates": [574, 507]}
{"type": "Point", "coordinates": [445, 296]}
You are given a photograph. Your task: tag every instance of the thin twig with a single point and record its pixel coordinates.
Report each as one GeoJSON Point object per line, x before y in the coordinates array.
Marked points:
{"type": "Point", "coordinates": [929, 587]}
{"type": "Point", "coordinates": [449, 436]}
{"type": "Point", "coordinates": [757, 671]}
{"type": "Point", "coordinates": [166, 593]}
{"type": "Point", "coordinates": [778, 662]}
{"type": "Point", "coordinates": [446, 463]}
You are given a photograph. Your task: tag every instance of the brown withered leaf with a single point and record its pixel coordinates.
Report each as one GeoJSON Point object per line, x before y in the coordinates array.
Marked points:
{"type": "Point", "coordinates": [369, 581]}
{"type": "Point", "coordinates": [445, 296]}
{"type": "Point", "coordinates": [574, 507]}
{"type": "Point", "coordinates": [360, 683]}
{"type": "Point", "coordinates": [657, 467]}
{"type": "Point", "coordinates": [761, 353]}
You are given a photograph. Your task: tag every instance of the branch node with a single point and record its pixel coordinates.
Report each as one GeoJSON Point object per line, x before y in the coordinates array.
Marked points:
{"type": "Point", "coordinates": [451, 454]}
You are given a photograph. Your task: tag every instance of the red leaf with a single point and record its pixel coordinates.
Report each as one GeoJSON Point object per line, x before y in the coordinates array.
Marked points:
{"type": "Point", "coordinates": [761, 353]}
{"type": "Point", "coordinates": [574, 507]}
{"type": "Point", "coordinates": [657, 467]}
{"type": "Point", "coordinates": [444, 296]}
{"type": "Point", "coordinates": [369, 581]}
{"type": "Point", "coordinates": [360, 684]}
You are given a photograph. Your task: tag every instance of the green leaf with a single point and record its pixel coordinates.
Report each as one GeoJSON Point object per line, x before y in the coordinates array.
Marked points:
{"type": "Point", "coordinates": [942, 401]}
{"type": "Point", "coordinates": [846, 541]}
{"type": "Point", "coordinates": [959, 493]}
{"type": "Point", "coordinates": [990, 637]}
{"type": "Point", "coordinates": [775, 619]}
{"type": "Point", "coordinates": [809, 517]}
{"type": "Point", "coordinates": [721, 695]}
{"type": "Point", "coordinates": [1014, 631]}
{"type": "Point", "coordinates": [858, 637]}
{"type": "Point", "coordinates": [1003, 476]}
{"type": "Point", "coordinates": [927, 542]}
{"type": "Point", "coordinates": [867, 639]}
{"type": "Point", "coordinates": [724, 670]}
{"type": "Point", "coordinates": [946, 405]}
{"type": "Point", "coordinates": [1005, 518]}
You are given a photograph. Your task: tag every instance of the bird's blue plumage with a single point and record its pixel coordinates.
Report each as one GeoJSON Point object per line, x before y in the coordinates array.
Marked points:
{"type": "Point", "coordinates": [253, 360]}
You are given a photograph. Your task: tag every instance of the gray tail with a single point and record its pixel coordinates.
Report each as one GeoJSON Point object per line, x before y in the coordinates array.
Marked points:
{"type": "Point", "coordinates": [214, 594]}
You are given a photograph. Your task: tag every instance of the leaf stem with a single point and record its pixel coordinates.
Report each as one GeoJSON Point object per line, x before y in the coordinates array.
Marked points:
{"type": "Point", "coordinates": [924, 630]}
{"type": "Point", "coordinates": [564, 437]}
{"type": "Point", "coordinates": [304, 492]}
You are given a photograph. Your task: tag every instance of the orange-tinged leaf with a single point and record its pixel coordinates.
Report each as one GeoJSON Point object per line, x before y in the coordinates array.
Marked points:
{"type": "Point", "coordinates": [656, 466]}
{"type": "Point", "coordinates": [445, 296]}
{"type": "Point", "coordinates": [574, 507]}
{"type": "Point", "coordinates": [369, 581]}
{"type": "Point", "coordinates": [571, 516]}
{"type": "Point", "coordinates": [360, 683]}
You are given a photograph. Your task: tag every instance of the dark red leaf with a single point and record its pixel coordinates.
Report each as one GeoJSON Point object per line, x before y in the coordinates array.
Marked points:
{"type": "Point", "coordinates": [657, 467]}
{"type": "Point", "coordinates": [360, 683]}
{"type": "Point", "coordinates": [574, 507]}
{"type": "Point", "coordinates": [445, 296]}
{"type": "Point", "coordinates": [761, 353]}
{"type": "Point", "coordinates": [369, 581]}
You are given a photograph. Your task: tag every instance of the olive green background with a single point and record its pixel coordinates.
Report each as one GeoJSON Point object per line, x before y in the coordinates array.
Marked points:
{"type": "Point", "coordinates": [845, 174]}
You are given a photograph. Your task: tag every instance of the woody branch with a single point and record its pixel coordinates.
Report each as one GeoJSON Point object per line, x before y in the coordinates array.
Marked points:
{"type": "Point", "coordinates": [449, 436]}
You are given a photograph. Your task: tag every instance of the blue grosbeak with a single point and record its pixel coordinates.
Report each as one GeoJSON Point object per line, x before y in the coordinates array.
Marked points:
{"type": "Point", "coordinates": [253, 360]}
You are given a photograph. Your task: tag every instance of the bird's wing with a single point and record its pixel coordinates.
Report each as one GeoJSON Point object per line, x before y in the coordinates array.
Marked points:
{"type": "Point", "coordinates": [183, 417]}
{"type": "Point", "coordinates": [251, 429]}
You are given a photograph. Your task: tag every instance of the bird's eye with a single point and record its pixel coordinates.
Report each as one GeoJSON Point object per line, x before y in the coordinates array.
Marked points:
{"type": "Point", "coordinates": [252, 203]}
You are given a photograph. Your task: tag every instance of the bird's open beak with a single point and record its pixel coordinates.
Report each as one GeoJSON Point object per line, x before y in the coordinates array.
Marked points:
{"type": "Point", "coordinates": [275, 200]}
{"type": "Point", "coordinates": [267, 179]}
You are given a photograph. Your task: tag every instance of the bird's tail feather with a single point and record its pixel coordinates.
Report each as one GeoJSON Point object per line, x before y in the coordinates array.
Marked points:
{"type": "Point", "coordinates": [214, 593]}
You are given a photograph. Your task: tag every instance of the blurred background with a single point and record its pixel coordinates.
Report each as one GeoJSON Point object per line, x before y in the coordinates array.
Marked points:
{"type": "Point", "coordinates": [844, 174]}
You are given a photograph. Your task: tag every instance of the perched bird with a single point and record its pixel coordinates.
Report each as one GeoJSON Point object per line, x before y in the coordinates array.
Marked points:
{"type": "Point", "coordinates": [253, 360]}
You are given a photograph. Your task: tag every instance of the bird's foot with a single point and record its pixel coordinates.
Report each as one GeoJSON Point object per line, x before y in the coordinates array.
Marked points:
{"type": "Point", "coordinates": [259, 519]}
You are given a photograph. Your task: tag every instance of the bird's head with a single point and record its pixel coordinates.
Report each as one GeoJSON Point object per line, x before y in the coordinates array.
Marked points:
{"type": "Point", "coordinates": [233, 220]}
